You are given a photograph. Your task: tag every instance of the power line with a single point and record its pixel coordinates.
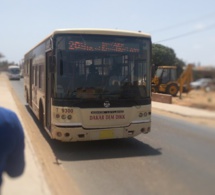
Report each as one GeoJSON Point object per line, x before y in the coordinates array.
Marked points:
{"type": "Point", "coordinates": [181, 23]}
{"type": "Point", "coordinates": [187, 34]}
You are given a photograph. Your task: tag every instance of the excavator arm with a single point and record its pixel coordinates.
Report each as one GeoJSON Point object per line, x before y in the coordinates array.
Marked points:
{"type": "Point", "coordinates": [185, 79]}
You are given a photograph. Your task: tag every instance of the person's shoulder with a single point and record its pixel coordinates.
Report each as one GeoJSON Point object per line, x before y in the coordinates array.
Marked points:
{"type": "Point", "coordinates": [6, 112]}
{"type": "Point", "coordinates": [7, 115]}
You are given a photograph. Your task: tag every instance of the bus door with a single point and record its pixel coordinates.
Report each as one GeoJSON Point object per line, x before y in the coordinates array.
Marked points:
{"type": "Point", "coordinates": [48, 91]}
{"type": "Point", "coordinates": [31, 82]}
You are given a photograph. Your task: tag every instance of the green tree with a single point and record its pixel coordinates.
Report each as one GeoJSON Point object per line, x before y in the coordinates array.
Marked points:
{"type": "Point", "coordinates": [165, 56]}
{"type": "Point", "coordinates": [1, 55]}
{"type": "Point", "coordinates": [162, 55]}
{"type": "Point", "coordinates": [180, 64]}
{"type": "Point", "coordinates": [3, 64]}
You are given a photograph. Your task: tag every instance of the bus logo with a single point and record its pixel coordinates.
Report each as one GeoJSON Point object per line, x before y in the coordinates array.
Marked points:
{"type": "Point", "coordinates": [106, 104]}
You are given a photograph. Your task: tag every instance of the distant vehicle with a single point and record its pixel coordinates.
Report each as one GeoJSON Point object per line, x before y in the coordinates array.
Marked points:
{"type": "Point", "coordinates": [165, 80]}
{"type": "Point", "coordinates": [210, 86]}
{"type": "Point", "coordinates": [200, 83]}
{"type": "Point", "coordinates": [14, 72]}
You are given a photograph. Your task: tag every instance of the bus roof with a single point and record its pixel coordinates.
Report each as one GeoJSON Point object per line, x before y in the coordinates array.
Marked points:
{"type": "Point", "coordinates": [101, 32]}
{"type": "Point", "coordinates": [95, 31]}
{"type": "Point", "coordinates": [13, 66]}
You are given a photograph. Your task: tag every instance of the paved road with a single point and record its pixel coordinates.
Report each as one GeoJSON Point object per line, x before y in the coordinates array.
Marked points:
{"type": "Point", "coordinates": [177, 157]}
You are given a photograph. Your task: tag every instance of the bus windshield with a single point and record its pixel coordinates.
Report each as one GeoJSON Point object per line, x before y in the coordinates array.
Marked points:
{"type": "Point", "coordinates": [99, 66]}
{"type": "Point", "coordinates": [14, 70]}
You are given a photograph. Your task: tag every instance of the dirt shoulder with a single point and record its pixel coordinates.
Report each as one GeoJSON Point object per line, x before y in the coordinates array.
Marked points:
{"type": "Point", "coordinates": [196, 99]}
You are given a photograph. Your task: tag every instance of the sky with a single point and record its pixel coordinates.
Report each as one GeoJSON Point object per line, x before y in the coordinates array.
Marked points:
{"type": "Point", "coordinates": [186, 26]}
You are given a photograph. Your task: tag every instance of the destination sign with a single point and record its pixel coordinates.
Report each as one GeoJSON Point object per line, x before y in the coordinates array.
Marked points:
{"type": "Point", "coordinates": [104, 46]}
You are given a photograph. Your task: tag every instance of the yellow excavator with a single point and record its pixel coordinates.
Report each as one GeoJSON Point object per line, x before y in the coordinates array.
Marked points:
{"type": "Point", "coordinates": [165, 80]}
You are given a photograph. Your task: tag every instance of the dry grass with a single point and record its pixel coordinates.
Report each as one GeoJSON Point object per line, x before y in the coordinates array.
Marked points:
{"type": "Point", "coordinates": [198, 99]}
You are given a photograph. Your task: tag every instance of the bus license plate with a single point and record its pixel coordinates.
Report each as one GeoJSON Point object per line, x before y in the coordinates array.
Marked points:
{"type": "Point", "coordinates": [106, 134]}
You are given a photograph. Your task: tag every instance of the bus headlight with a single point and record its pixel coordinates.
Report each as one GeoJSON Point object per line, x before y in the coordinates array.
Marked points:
{"type": "Point", "coordinates": [69, 117]}
{"type": "Point", "coordinates": [59, 134]}
{"type": "Point", "coordinates": [143, 114]}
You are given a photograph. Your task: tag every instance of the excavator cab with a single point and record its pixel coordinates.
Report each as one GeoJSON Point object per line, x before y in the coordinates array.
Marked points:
{"type": "Point", "coordinates": [165, 80]}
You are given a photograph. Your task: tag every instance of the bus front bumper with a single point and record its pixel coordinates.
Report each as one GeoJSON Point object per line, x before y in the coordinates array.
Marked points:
{"type": "Point", "coordinates": [73, 134]}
